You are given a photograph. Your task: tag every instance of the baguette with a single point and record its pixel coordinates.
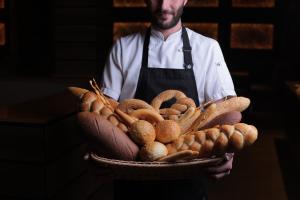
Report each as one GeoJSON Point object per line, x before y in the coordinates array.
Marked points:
{"type": "Point", "coordinates": [215, 109]}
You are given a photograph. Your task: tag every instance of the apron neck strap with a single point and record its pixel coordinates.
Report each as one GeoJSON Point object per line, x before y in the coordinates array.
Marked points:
{"type": "Point", "coordinates": [187, 49]}
{"type": "Point", "coordinates": [146, 48]}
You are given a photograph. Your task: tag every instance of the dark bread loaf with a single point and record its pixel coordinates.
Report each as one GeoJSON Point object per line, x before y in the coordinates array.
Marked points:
{"type": "Point", "coordinates": [229, 118]}
{"type": "Point", "coordinates": [106, 139]}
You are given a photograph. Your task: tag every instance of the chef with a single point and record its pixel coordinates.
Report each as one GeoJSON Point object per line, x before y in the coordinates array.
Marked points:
{"type": "Point", "coordinates": [167, 56]}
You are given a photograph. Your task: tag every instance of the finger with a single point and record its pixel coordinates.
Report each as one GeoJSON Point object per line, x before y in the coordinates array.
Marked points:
{"type": "Point", "coordinates": [220, 175]}
{"type": "Point", "coordinates": [224, 167]}
{"type": "Point", "coordinates": [228, 156]}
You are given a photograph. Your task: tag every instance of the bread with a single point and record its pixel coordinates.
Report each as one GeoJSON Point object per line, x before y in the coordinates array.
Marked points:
{"type": "Point", "coordinates": [165, 96]}
{"type": "Point", "coordinates": [167, 131]}
{"type": "Point", "coordinates": [91, 102]}
{"type": "Point", "coordinates": [142, 132]}
{"type": "Point", "coordinates": [153, 151]}
{"type": "Point", "coordinates": [215, 109]}
{"type": "Point", "coordinates": [229, 118]}
{"type": "Point", "coordinates": [215, 141]}
{"type": "Point", "coordinates": [106, 139]}
{"type": "Point", "coordinates": [184, 128]}
{"type": "Point", "coordinates": [129, 105]}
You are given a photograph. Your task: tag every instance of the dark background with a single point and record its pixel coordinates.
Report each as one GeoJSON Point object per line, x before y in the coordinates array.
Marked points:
{"type": "Point", "coordinates": [66, 42]}
{"type": "Point", "coordinates": [70, 40]}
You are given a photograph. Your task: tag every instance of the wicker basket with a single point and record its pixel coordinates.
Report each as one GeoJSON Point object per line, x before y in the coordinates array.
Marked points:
{"type": "Point", "coordinates": [153, 170]}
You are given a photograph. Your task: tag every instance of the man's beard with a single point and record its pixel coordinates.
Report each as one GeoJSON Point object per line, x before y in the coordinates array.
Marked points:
{"type": "Point", "coordinates": [160, 24]}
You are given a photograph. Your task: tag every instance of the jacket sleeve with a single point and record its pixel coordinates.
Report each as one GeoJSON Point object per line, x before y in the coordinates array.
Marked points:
{"type": "Point", "coordinates": [218, 82]}
{"type": "Point", "coordinates": [112, 77]}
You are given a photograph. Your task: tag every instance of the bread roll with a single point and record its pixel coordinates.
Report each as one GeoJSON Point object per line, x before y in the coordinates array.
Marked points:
{"type": "Point", "coordinates": [167, 131]}
{"type": "Point", "coordinates": [153, 151]}
{"type": "Point", "coordinates": [106, 139]}
{"type": "Point", "coordinates": [142, 132]}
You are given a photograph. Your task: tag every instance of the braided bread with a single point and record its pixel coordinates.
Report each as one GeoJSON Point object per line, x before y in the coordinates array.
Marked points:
{"type": "Point", "coordinates": [215, 141]}
{"type": "Point", "coordinates": [90, 102]}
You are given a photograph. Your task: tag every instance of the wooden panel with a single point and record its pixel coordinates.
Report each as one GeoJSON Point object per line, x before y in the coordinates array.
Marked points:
{"type": "Point", "coordinates": [207, 29]}
{"type": "Point", "coordinates": [75, 33]}
{"type": "Point", "coordinates": [252, 36]}
{"type": "Point", "coordinates": [76, 51]}
{"type": "Point", "coordinates": [129, 3]}
{"type": "Point", "coordinates": [2, 34]}
{"type": "Point", "coordinates": [22, 180]}
{"type": "Point", "coordinates": [75, 3]}
{"type": "Point", "coordinates": [203, 3]}
{"type": "Point", "coordinates": [69, 68]}
{"type": "Point", "coordinates": [21, 143]}
{"type": "Point", "coordinates": [253, 3]}
{"type": "Point", "coordinates": [2, 4]}
{"type": "Point", "coordinates": [75, 16]}
{"type": "Point", "coordinates": [125, 28]}
{"type": "Point", "coordinates": [191, 3]}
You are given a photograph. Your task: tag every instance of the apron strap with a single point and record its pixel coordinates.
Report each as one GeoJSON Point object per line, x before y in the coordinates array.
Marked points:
{"type": "Point", "coordinates": [187, 49]}
{"type": "Point", "coordinates": [146, 48]}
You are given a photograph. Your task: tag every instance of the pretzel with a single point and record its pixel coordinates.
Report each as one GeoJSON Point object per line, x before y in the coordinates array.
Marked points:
{"type": "Point", "coordinates": [183, 104]}
{"type": "Point", "coordinates": [178, 108]}
{"type": "Point", "coordinates": [165, 96]}
{"type": "Point", "coordinates": [129, 105]}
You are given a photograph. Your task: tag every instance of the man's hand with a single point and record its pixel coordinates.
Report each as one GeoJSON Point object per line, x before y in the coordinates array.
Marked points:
{"type": "Point", "coordinates": [222, 169]}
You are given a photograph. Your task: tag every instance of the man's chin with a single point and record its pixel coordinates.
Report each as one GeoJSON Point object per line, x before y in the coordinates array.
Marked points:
{"type": "Point", "coordinates": [165, 25]}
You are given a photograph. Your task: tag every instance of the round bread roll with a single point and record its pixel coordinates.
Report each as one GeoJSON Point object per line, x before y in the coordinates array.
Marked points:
{"type": "Point", "coordinates": [142, 132]}
{"type": "Point", "coordinates": [105, 138]}
{"type": "Point", "coordinates": [153, 151]}
{"type": "Point", "coordinates": [167, 131]}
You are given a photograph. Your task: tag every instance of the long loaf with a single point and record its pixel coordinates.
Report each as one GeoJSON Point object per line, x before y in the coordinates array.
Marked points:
{"type": "Point", "coordinates": [215, 141]}
{"type": "Point", "coordinates": [215, 109]}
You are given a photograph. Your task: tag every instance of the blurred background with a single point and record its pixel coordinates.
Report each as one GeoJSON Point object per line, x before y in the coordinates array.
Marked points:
{"type": "Point", "coordinates": [48, 45]}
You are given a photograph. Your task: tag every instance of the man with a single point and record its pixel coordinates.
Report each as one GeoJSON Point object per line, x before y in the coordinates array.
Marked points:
{"type": "Point", "coordinates": [167, 56]}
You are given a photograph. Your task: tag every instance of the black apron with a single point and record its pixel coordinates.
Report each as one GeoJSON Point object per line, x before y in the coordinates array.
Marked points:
{"type": "Point", "coordinates": [151, 82]}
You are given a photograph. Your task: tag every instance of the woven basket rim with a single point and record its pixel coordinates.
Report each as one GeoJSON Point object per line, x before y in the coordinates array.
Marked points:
{"type": "Point", "coordinates": [155, 164]}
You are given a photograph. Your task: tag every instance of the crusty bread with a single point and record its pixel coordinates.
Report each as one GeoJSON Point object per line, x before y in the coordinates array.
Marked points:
{"type": "Point", "coordinates": [229, 118]}
{"type": "Point", "coordinates": [107, 140]}
{"type": "Point", "coordinates": [215, 141]}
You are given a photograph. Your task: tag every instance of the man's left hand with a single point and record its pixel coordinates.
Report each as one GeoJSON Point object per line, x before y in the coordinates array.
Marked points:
{"type": "Point", "coordinates": [223, 169]}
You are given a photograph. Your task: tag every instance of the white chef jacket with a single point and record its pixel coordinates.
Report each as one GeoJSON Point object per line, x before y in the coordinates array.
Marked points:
{"type": "Point", "coordinates": [121, 72]}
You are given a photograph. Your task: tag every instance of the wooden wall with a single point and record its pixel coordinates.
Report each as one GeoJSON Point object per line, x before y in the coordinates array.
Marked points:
{"type": "Point", "coordinates": [71, 39]}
